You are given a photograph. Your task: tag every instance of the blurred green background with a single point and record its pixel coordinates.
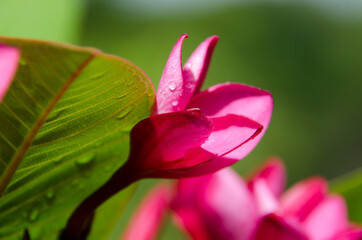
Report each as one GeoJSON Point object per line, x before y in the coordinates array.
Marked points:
{"type": "Point", "coordinates": [307, 53]}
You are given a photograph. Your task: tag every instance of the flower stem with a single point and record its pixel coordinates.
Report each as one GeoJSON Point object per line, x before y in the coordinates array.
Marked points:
{"type": "Point", "coordinates": [77, 223]}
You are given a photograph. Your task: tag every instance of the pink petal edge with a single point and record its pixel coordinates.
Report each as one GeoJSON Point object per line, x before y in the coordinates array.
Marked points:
{"type": "Point", "coordinates": [9, 58]}
{"type": "Point", "coordinates": [301, 199]}
{"type": "Point", "coordinates": [273, 173]}
{"type": "Point", "coordinates": [170, 89]}
{"type": "Point", "coordinates": [203, 208]}
{"type": "Point", "coordinates": [327, 219]}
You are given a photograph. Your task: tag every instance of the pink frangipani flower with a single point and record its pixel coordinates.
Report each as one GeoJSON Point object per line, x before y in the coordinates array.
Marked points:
{"type": "Point", "coordinates": [9, 57]}
{"type": "Point", "coordinates": [193, 133]}
{"type": "Point", "coordinates": [150, 215]}
{"type": "Point", "coordinates": [223, 206]}
{"type": "Point", "coordinates": [190, 133]}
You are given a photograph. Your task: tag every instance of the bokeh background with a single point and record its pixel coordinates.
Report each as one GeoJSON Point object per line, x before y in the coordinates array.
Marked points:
{"type": "Point", "coordinates": [307, 53]}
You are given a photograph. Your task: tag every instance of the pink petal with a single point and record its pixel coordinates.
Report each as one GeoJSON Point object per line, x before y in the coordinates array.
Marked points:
{"type": "Point", "coordinates": [351, 233]}
{"type": "Point", "coordinates": [230, 132]}
{"type": "Point", "coordinates": [327, 219]}
{"type": "Point", "coordinates": [217, 206]}
{"type": "Point", "coordinates": [233, 99]}
{"type": "Point", "coordinates": [196, 67]}
{"type": "Point", "coordinates": [273, 173]}
{"type": "Point", "coordinates": [302, 198]}
{"type": "Point", "coordinates": [264, 198]}
{"type": "Point", "coordinates": [273, 227]}
{"type": "Point", "coordinates": [9, 58]}
{"type": "Point", "coordinates": [170, 89]}
{"type": "Point", "coordinates": [161, 141]}
{"type": "Point", "coordinates": [148, 217]}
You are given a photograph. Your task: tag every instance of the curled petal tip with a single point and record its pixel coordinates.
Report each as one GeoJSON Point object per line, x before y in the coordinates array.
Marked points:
{"type": "Point", "coordinates": [197, 65]}
{"type": "Point", "coordinates": [183, 36]}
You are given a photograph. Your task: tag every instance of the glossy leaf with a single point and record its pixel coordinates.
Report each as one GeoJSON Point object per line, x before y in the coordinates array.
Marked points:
{"type": "Point", "coordinates": [65, 124]}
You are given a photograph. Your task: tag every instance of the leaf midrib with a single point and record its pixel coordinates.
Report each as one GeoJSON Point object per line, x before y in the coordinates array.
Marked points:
{"type": "Point", "coordinates": [22, 150]}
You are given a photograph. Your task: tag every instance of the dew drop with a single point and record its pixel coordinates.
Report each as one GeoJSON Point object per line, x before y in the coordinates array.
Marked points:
{"type": "Point", "coordinates": [25, 214]}
{"type": "Point", "coordinates": [189, 85]}
{"type": "Point", "coordinates": [97, 75]}
{"type": "Point", "coordinates": [75, 183]}
{"type": "Point", "coordinates": [108, 168]}
{"type": "Point", "coordinates": [172, 86]}
{"type": "Point", "coordinates": [86, 159]}
{"type": "Point", "coordinates": [174, 103]}
{"type": "Point", "coordinates": [33, 215]}
{"type": "Point", "coordinates": [54, 116]}
{"type": "Point", "coordinates": [22, 61]}
{"type": "Point", "coordinates": [57, 160]}
{"type": "Point", "coordinates": [50, 195]}
{"type": "Point", "coordinates": [123, 113]}
{"type": "Point", "coordinates": [122, 95]}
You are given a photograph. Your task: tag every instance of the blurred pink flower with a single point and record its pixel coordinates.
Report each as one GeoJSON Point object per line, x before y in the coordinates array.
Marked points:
{"type": "Point", "coordinates": [9, 57]}
{"type": "Point", "coordinates": [223, 206]}
{"type": "Point", "coordinates": [147, 219]}
{"type": "Point", "coordinates": [192, 133]}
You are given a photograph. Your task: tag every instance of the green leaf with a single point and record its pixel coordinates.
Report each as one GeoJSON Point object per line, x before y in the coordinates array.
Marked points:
{"type": "Point", "coordinates": [106, 224]}
{"type": "Point", "coordinates": [65, 125]}
{"type": "Point", "coordinates": [350, 186]}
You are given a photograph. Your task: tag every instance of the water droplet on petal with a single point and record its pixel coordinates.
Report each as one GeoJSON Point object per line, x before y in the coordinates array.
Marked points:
{"type": "Point", "coordinates": [123, 113]}
{"type": "Point", "coordinates": [33, 215]}
{"type": "Point", "coordinates": [172, 86]}
{"type": "Point", "coordinates": [83, 160]}
{"type": "Point", "coordinates": [189, 85]}
{"type": "Point", "coordinates": [174, 103]}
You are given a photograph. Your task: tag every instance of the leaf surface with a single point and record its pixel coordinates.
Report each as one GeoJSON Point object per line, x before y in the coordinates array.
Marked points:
{"type": "Point", "coordinates": [65, 124]}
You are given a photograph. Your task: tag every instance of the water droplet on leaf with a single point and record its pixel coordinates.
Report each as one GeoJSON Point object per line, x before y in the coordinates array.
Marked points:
{"type": "Point", "coordinates": [97, 75]}
{"type": "Point", "coordinates": [123, 113]}
{"type": "Point", "coordinates": [108, 168]}
{"type": "Point", "coordinates": [83, 160]}
{"type": "Point", "coordinates": [50, 195]}
{"type": "Point", "coordinates": [22, 61]}
{"type": "Point", "coordinates": [172, 86]}
{"type": "Point", "coordinates": [33, 215]}
{"type": "Point", "coordinates": [122, 95]}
